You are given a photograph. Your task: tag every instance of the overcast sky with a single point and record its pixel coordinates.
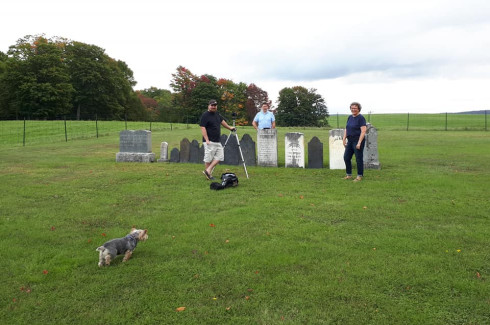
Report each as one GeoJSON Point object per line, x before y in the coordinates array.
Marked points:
{"type": "Point", "coordinates": [400, 56]}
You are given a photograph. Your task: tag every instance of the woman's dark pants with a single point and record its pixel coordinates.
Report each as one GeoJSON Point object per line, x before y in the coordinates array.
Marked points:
{"type": "Point", "coordinates": [350, 150]}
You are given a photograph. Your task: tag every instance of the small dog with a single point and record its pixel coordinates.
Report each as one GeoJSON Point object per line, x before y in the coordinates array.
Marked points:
{"type": "Point", "coordinates": [119, 246]}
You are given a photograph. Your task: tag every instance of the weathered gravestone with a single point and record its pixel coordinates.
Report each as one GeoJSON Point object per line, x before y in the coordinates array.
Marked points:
{"type": "Point", "coordinates": [267, 147]}
{"type": "Point", "coordinates": [135, 146]}
{"type": "Point", "coordinates": [232, 155]}
{"type": "Point", "coordinates": [315, 153]}
{"type": "Point", "coordinates": [185, 148]}
{"type": "Point", "coordinates": [336, 149]}
{"type": "Point", "coordinates": [163, 152]}
{"type": "Point", "coordinates": [295, 150]}
{"type": "Point", "coordinates": [370, 153]}
{"type": "Point", "coordinates": [248, 150]}
{"type": "Point", "coordinates": [174, 155]}
{"type": "Point", "coordinates": [194, 152]}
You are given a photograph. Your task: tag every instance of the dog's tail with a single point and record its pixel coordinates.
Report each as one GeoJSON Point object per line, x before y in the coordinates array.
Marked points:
{"type": "Point", "coordinates": [100, 249]}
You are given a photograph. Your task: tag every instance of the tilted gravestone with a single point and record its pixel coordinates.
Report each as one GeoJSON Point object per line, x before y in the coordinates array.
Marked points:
{"type": "Point", "coordinates": [370, 153]}
{"type": "Point", "coordinates": [163, 152]}
{"type": "Point", "coordinates": [185, 147]}
{"type": "Point", "coordinates": [248, 150]}
{"type": "Point", "coordinates": [135, 146]}
{"type": "Point", "coordinates": [295, 150]}
{"type": "Point", "coordinates": [194, 153]}
{"type": "Point", "coordinates": [174, 155]}
{"type": "Point", "coordinates": [336, 149]}
{"type": "Point", "coordinates": [315, 153]}
{"type": "Point", "coordinates": [267, 147]}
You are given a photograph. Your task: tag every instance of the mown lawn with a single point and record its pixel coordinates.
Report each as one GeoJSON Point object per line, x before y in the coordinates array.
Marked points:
{"type": "Point", "coordinates": [408, 245]}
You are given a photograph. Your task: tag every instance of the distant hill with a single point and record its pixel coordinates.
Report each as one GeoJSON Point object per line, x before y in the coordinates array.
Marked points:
{"type": "Point", "coordinates": [471, 112]}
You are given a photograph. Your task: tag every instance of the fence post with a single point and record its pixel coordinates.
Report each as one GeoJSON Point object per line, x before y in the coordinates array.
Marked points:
{"type": "Point", "coordinates": [66, 135]}
{"type": "Point", "coordinates": [126, 121]}
{"type": "Point", "coordinates": [408, 120]}
{"type": "Point", "coordinates": [338, 120]}
{"type": "Point", "coordinates": [150, 125]}
{"type": "Point", "coordinates": [24, 135]}
{"type": "Point", "coordinates": [446, 121]}
{"type": "Point", "coordinates": [485, 120]}
{"type": "Point", "coordinates": [96, 127]}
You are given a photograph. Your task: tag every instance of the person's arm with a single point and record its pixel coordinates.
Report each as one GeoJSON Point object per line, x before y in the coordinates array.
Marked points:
{"type": "Point", "coordinates": [204, 134]}
{"type": "Point", "coordinates": [273, 124]}
{"type": "Point", "coordinates": [345, 137]}
{"type": "Point", "coordinates": [363, 134]}
{"type": "Point", "coordinates": [255, 125]}
{"type": "Point", "coordinates": [231, 128]}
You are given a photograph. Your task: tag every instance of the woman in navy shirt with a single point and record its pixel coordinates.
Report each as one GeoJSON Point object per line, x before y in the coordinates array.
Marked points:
{"type": "Point", "coordinates": [354, 133]}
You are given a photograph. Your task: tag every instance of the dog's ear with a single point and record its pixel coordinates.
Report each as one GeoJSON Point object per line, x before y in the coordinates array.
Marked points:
{"type": "Point", "coordinates": [145, 232]}
{"type": "Point", "coordinates": [132, 229]}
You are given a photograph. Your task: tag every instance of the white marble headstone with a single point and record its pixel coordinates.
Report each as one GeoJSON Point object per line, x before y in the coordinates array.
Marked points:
{"type": "Point", "coordinates": [295, 150]}
{"type": "Point", "coordinates": [336, 149]}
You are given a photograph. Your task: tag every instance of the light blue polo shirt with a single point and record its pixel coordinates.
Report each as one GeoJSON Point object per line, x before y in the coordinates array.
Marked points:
{"type": "Point", "coordinates": [264, 120]}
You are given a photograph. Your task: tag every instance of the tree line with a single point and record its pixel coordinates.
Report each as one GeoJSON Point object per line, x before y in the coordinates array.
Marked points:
{"type": "Point", "coordinates": [50, 78]}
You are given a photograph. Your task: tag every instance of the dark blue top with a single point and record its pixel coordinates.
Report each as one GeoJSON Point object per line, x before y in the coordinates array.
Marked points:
{"type": "Point", "coordinates": [354, 124]}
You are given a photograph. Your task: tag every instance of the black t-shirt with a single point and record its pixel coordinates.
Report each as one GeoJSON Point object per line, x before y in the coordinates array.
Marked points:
{"type": "Point", "coordinates": [212, 123]}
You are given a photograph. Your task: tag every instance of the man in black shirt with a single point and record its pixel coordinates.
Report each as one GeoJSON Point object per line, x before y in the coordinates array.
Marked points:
{"type": "Point", "coordinates": [211, 122]}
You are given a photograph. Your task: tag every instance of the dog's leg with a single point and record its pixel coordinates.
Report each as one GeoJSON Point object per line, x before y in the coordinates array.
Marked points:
{"type": "Point", "coordinates": [127, 256]}
{"type": "Point", "coordinates": [108, 259]}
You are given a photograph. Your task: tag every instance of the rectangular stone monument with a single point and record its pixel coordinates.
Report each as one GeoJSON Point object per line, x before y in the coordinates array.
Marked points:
{"type": "Point", "coordinates": [370, 153]}
{"type": "Point", "coordinates": [336, 149]}
{"type": "Point", "coordinates": [295, 150]}
{"type": "Point", "coordinates": [315, 153]}
{"type": "Point", "coordinates": [267, 148]}
{"type": "Point", "coordinates": [135, 146]}
{"type": "Point", "coordinates": [163, 152]}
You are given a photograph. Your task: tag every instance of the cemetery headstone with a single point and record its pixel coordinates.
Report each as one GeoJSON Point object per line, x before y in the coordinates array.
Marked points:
{"type": "Point", "coordinates": [174, 155]}
{"type": "Point", "coordinates": [370, 153]}
{"type": "Point", "coordinates": [163, 152]}
{"type": "Point", "coordinates": [267, 147]}
{"type": "Point", "coordinates": [135, 146]}
{"type": "Point", "coordinates": [336, 149]}
{"type": "Point", "coordinates": [194, 152]}
{"type": "Point", "coordinates": [232, 155]}
{"type": "Point", "coordinates": [185, 147]}
{"type": "Point", "coordinates": [248, 150]}
{"type": "Point", "coordinates": [315, 153]}
{"type": "Point", "coordinates": [295, 150]}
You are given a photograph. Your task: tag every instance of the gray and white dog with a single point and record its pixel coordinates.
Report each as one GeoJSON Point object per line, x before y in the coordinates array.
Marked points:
{"type": "Point", "coordinates": [119, 246]}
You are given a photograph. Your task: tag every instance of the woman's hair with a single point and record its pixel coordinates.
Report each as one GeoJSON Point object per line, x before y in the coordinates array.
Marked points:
{"type": "Point", "coordinates": [357, 104]}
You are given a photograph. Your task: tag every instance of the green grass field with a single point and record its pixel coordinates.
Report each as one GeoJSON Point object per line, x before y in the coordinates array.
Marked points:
{"type": "Point", "coordinates": [408, 245]}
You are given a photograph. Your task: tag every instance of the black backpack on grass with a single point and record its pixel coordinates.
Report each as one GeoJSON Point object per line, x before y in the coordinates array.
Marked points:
{"type": "Point", "coordinates": [227, 180]}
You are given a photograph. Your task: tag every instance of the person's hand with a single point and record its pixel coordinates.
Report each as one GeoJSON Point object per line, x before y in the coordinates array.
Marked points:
{"type": "Point", "coordinates": [233, 129]}
{"type": "Point", "coordinates": [358, 146]}
{"type": "Point", "coordinates": [344, 142]}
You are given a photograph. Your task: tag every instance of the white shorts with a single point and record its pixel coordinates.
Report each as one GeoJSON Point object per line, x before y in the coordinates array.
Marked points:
{"type": "Point", "coordinates": [213, 151]}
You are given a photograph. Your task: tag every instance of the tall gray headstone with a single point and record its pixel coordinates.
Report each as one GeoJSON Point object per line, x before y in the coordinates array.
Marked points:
{"type": "Point", "coordinates": [315, 153]}
{"type": "Point", "coordinates": [175, 155]}
{"type": "Point", "coordinates": [135, 146]}
{"type": "Point", "coordinates": [248, 150]}
{"type": "Point", "coordinates": [201, 153]}
{"type": "Point", "coordinates": [267, 147]}
{"type": "Point", "coordinates": [232, 155]}
{"type": "Point", "coordinates": [336, 149]}
{"type": "Point", "coordinates": [370, 153]}
{"type": "Point", "coordinates": [194, 153]}
{"type": "Point", "coordinates": [185, 149]}
{"type": "Point", "coordinates": [295, 150]}
{"type": "Point", "coordinates": [163, 152]}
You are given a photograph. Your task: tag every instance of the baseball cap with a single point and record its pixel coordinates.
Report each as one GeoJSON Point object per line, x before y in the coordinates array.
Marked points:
{"type": "Point", "coordinates": [213, 102]}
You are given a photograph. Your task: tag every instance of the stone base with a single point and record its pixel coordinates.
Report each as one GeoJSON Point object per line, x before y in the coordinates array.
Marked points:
{"type": "Point", "coordinates": [162, 160]}
{"type": "Point", "coordinates": [372, 165]}
{"type": "Point", "coordinates": [135, 157]}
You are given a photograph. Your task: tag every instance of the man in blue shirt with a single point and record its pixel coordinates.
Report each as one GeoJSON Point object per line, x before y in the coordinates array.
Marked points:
{"type": "Point", "coordinates": [264, 119]}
